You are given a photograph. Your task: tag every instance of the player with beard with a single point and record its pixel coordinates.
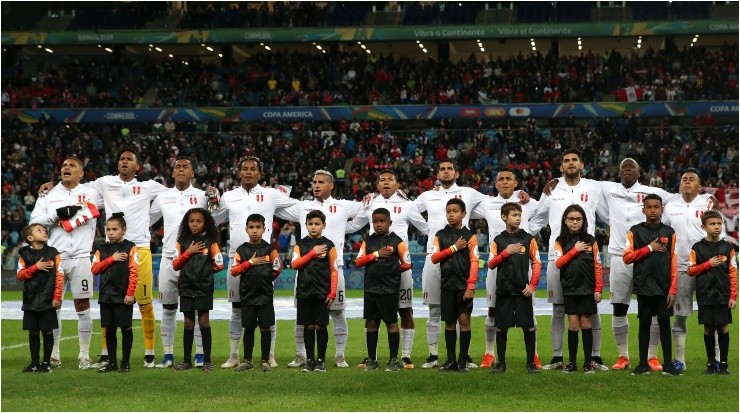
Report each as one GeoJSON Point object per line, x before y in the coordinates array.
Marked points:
{"type": "Point", "coordinates": [572, 189]}
{"type": "Point", "coordinates": [337, 213]}
{"type": "Point", "coordinates": [403, 211]}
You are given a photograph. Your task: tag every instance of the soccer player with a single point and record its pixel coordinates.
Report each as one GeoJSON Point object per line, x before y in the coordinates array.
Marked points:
{"type": "Point", "coordinates": [456, 250]}
{"type": "Point", "coordinates": [519, 255]}
{"type": "Point", "coordinates": [572, 189]}
{"type": "Point", "coordinates": [684, 216]}
{"type": "Point", "coordinates": [490, 210]}
{"type": "Point", "coordinates": [316, 287]}
{"type": "Point", "coordinates": [248, 198]}
{"type": "Point", "coordinates": [432, 202]}
{"type": "Point", "coordinates": [337, 213]}
{"type": "Point", "coordinates": [622, 207]}
{"type": "Point", "coordinates": [65, 201]}
{"type": "Point", "coordinates": [651, 246]}
{"type": "Point", "coordinates": [386, 256]}
{"type": "Point", "coordinates": [39, 267]}
{"type": "Point", "coordinates": [403, 211]}
{"type": "Point", "coordinates": [171, 205]}
{"type": "Point", "coordinates": [712, 261]}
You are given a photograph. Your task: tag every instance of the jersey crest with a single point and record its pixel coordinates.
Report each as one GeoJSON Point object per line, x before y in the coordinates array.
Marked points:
{"type": "Point", "coordinates": [396, 209]}
{"type": "Point", "coordinates": [584, 196]}
{"type": "Point", "coordinates": [640, 198]}
{"type": "Point", "coordinates": [193, 200]}
{"type": "Point", "coordinates": [81, 198]}
{"type": "Point", "coordinates": [260, 197]}
{"type": "Point", "coordinates": [136, 190]}
{"type": "Point", "coordinates": [332, 209]}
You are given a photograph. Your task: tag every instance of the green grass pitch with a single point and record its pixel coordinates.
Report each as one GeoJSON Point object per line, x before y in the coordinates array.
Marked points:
{"type": "Point", "coordinates": [284, 389]}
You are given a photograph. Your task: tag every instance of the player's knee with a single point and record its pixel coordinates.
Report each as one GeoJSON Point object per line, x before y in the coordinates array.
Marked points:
{"type": "Point", "coordinates": [48, 333]}
{"type": "Point", "coordinates": [620, 310]}
{"type": "Point", "coordinates": [82, 304]}
{"type": "Point", "coordinates": [33, 333]}
{"type": "Point", "coordinates": [491, 311]}
{"type": "Point", "coordinates": [236, 305]}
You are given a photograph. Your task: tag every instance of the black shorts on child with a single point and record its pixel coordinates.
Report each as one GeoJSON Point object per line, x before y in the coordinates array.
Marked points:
{"type": "Point", "coordinates": [258, 315]}
{"type": "Point", "coordinates": [40, 320]}
{"type": "Point", "coordinates": [717, 315]}
{"type": "Point", "coordinates": [653, 305]}
{"type": "Point", "coordinates": [188, 304]}
{"type": "Point", "coordinates": [452, 305]}
{"type": "Point", "coordinates": [116, 315]}
{"type": "Point", "coordinates": [579, 304]}
{"type": "Point", "coordinates": [513, 311]}
{"type": "Point", "coordinates": [381, 307]}
{"type": "Point", "coordinates": [312, 311]}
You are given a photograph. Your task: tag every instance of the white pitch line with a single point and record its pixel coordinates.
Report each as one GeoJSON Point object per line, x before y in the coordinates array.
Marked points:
{"type": "Point", "coordinates": [65, 338]}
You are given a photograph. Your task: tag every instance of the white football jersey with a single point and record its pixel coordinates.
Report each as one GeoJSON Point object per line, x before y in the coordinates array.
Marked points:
{"type": "Point", "coordinates": [434, 202]}
{"type": "Point", "coordinates": [586, 193]}
{"type": "Point", "coordinates": [239, 203]}
{"type": "Point", "coordinates": [490, 210]}
{"type": "Point", "coordinates": [403, 212]}
{"type": "Point", "coordinates": [171, 205]}
{"type": "Point", "coordinates": [133, 198]}
{"type": "Point", "coordinates": [75, 244]}
{"type": "Point", "coordinates": [337, 211]}
{"type": "Point", "coordinates": [685, 218]}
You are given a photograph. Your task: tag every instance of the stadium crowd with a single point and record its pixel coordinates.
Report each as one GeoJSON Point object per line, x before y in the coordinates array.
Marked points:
{"type": "Point", "coordinates": [358, 150]}
{"type": "Point", "coordinates": [289, 78]}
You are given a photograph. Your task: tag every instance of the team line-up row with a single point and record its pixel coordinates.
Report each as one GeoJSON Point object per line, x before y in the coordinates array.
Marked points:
{"type": "Point", "coordinates": [70, 208]}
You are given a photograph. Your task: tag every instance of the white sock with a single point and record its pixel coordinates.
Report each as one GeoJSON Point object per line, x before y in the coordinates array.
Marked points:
{"type": "Point", "coordinates": [596, 332]}
{"type": "Point", "coordinates": [536, 335]}
{"type": "Point", "coordinates": [340, 330]}
{"type": "Point", "coordinates": [490, 335]}
{"type": "Point", "coordinates": [198, 337]}
{"type": "Point", "coordinates": [300, 344]}
{"type": "Point", "coordinates": [84, 332]}
{"type": "Point", "coordinates": [167, 330]}
{"type": "Point", "coordinates": [407, 341]}
{"type": "Point", "coordinates": [235, 331]}
{"type": "Point", "coordinates": [557, 330]}
{"type": "Point", "coordinates": [654, 340]}
{"type": "Point", "coordinates": [57, 333]}
{"type": "Point", "coordinates": [679, 337]}
{"type": "Point", "coordinates": [435, 316]}
{"type": "Point", "coordinates": [621, 331]}
{"type": "Point", "coordinates": [716, 346]}
{"type": "Point", "coordinates": [273, 336]}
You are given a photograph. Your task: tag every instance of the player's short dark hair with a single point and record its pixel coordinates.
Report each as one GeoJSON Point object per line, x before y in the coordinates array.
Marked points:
{"type": "Point", "coordinates": [76, 159]}
{"type": "Point", "coordinates": [454, 166]}
{"type": "Point", "coordinates": [693, 171]}
{"type": "Point", "coordinates": [711, 214]}
{"type": "Point", "coordinates": [185, 158]}
{"type": "Point", "coordinates": [513, 172]}
{"type": "Point", "coordinates": [316, 214]}
{"type": "Point", "coordinates": [386, 171]}
{"type": "Point", "coordinates": [653, 196]}
{"type": "Point", "coordinates": [117, 216]}
{"type": "Point", "coordinates": [382, 211]}
{"type": "Point", "coordinates": [129, 148]}
{"type": "Point", "coordinates": [260, 166]}
{"type": "Point", "coordinates": [508, 207]}
{"type": "Point", "coordinates": [457, 201]}
{"type": "Point", "coordinates": [575, 151]}
{"type": "Point", "coordinates": [26, 232]}
{"type": "Point", "coordinates": [256, 218]}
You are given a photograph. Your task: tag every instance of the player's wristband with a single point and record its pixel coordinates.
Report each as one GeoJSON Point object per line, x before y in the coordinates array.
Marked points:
{"type": "Point", "coordinates": [453, 248]}
{"type": "Point", "coordinates": [376, 255]}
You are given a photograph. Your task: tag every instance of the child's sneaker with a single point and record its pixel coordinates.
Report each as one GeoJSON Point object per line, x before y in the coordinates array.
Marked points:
{"type": "Point", "coordinates": [102, 361]}
{"type": "Point", "coordinates": [55, 361]}
{"type": "Point", "coordinates": [723, 368]}
{"type": "Point", "coordinates": [669, 370]}
{"type": "Point", "coordinates": [570, 368]}
{"type": "Point", "coordinates": [125, 368]}
{"type": "Point", "coordinates": [488, 360]}
{"type": "Point", "coordinates": [448, 366]}
{"type": "Point", "coordinates": [149, 361]}
{"type": "Point", "coordinates": [247, 365]}
{"type": "Point", "coordinates": [711, 369]}
{"type": "Point", "coordinates": [641, 369]}
{"type": "Point", "coordinates": [555, 364]}
{"type": "Point", "coordinates": [469, 363]}
{"type": "Point", "coordinates": [654, 364]}
{"type": "Point", "coordinates": [185, 365]}
{"type": "Point", "coordinates": [598, 364]}
{"type": "Point", "coordinates": [407, 363]}
{"type": "Point", "coordinates": [623, 363]}
{"type": "Point", "coordinates": [532, 368]}
{"type": "Point", "coordinates": [320, 366]}
{"type": "Point", "coordinates": [167, 361]}
{"type": "Point", "coordinates": [198, 360]}
{"type": "Point", "coordinates": [272, 362]}
{"type": "Point", "coordinates": [340, 362]}
{"type": "Point", "coordinates": [207, 367]}
{"type": "Point", "coordinates": [589, 368]}
{"type": "Point", "coordinates": [363, 363]}
{"type": "Point", "coordinates": [679, 365]}
{"type": "Point", "coordinates": [110, 366]}
{"type": "Point", "coordinates": [537, 362]}
{"type": "Point", "coordinates": [499, 367]}
{"type": "Point", "coordinates": [370, 365]}
{"type": "Point", "coordinates": [308, 366]}
{"type": "Point", "coordinates": [265, 366]}
{"type": "Point", "coordinates": [31, 368]}
{"type": "Point", "coordinates": [431, 362]}
{"type": "Point", "coordinates": [393, 365]}
{"type": "Point", "coordinates": [298, 361]}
